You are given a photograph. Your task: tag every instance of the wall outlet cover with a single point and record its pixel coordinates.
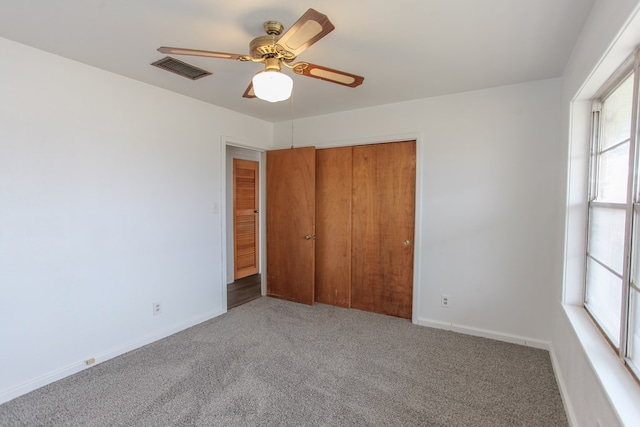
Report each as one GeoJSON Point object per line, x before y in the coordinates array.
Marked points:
{"type": "Point", "coordinates": [445, 301]}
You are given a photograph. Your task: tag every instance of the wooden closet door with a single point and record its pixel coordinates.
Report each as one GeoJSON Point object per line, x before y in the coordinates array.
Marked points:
{"type": "Point", "coordinates": [333, 226]}
{"type": "Point", "coordinates": [245, 218]}
{"type": "Point", "coordinates": [291, 177]}
{"type": "Point", "coordinates": [383, 211]}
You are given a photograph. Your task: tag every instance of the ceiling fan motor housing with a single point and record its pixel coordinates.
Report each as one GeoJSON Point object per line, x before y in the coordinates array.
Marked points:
{"type": "Point", "coordinates": [263, 46]}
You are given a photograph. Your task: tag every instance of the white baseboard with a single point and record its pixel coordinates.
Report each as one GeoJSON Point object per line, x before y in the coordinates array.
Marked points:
{"type": "Point", "coordinates": [73, 368]}
{"type": "Point", "coordinates": [434, 324]}
{"type": "Point", "coordinates": [58, 374]}
{"type": "Point", "coordinates": [484, 333]}
{"type": "Point", "coordinates": [564, 394]}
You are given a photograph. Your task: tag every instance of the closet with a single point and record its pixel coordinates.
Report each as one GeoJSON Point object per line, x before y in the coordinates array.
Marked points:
{"type": "Point", "coordinates": [358, 241]}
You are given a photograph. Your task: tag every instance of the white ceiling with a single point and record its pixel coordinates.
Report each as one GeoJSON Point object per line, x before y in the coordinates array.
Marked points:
{"type": "Point", "coordinates": [405, 49]}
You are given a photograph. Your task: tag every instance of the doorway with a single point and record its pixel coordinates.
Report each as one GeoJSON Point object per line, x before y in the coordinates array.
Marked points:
{"type": "Point", "coordinates": [244, 231]}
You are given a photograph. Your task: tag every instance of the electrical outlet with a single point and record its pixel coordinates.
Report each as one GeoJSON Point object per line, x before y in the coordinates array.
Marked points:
{"type": "Point", "coordinates": [157, 308]}
{"type": "Point", "coordinates": [445, 301]}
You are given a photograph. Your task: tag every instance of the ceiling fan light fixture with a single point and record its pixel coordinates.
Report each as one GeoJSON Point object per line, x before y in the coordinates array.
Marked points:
{"type": "Point", "coordinates": [272, 85]}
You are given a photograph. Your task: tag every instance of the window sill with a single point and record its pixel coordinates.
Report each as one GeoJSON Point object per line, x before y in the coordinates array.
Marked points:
{"type": "Point", "coordinates": [617, 382]}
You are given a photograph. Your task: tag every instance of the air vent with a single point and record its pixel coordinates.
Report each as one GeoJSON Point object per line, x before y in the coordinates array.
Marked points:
{"type": "Point", "coordinates": [181, 68]}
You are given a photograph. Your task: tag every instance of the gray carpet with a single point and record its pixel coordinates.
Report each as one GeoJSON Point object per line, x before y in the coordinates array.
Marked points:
{"type": "Point", "coordinates": [272, 363]}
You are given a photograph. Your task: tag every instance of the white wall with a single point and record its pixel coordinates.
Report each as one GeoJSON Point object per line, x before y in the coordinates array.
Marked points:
{"type": "Point", "coordinates": [596, 388]}
{"type": "Point", "coordinates": [487, 180]}
{"type": "Point", "coordinates": [108, 186]}
{"type": "Point", "coordinates": [107, 195]}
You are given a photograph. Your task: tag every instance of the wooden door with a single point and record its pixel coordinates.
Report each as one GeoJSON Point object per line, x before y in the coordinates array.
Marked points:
{"type": "Point", "coordinates": [383, 210]}
{"type": "Point", "coordinates": [291, 175]}
{"type": "Point", "coordinates": [333, 226]}
{"type": "Point", "coordinates": [245, 218]}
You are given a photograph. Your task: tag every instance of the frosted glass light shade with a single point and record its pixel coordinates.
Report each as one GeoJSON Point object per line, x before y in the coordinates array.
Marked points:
{"type": "Point", "coordinates": [272, 86]}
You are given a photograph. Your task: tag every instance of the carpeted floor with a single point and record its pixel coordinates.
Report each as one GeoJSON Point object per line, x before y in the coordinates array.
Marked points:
{"type": "Point", "coordinates": [272, 363]}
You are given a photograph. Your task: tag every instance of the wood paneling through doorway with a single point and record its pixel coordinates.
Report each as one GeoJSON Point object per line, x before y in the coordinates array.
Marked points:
{"type": "Point", "coordinates": [245, 218]}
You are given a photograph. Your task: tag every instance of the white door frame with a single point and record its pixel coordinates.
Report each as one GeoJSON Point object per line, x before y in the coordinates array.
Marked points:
{"type": "Point", "coordinates": [230, 142]}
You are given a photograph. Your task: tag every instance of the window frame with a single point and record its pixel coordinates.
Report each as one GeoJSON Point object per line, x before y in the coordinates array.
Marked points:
{"type": "Point", "coordinates": [629, 67]}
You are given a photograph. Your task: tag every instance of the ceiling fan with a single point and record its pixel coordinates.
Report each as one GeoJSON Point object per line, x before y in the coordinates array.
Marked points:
{"type": "Point", "coordinates": [276, 50]}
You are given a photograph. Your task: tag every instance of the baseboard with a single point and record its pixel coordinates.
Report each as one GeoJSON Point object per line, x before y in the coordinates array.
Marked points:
{"type": "Point", "coordinates": [434, 324]}
{"type": "Point", "coordinates": [564, 394]}
{"type": "Point", "coordinates": [73, 368]}
{"type": "Point", "coordinates": [58, 374]}
{"type": "Point", "coordinates": [484, 333]}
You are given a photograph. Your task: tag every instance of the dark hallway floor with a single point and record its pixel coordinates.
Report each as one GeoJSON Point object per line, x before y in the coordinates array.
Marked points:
{"type": "Point", "coordinates": [243, 290]}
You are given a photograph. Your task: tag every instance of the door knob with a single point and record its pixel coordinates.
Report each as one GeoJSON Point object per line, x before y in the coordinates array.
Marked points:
{"type": "Point", "coordinates": [406, 243]}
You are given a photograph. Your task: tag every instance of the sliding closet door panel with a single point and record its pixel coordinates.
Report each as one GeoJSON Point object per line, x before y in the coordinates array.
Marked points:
{"type": "Point", "coordinates": [333, 226]}
{"type": "Point", "coordinates": [291, 176]}
{"type": "Point", "coordinates": [383, 221]}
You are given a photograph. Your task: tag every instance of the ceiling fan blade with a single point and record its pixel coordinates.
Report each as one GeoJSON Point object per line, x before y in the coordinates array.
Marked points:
{"type": "Point", "coordinates": [249, 93]}
{"type": "Point", "coordinates": [311, 27]}
{"type": "Point", "coordinates": [207, 53]}
{"type": "Point", "coordinates": [327, 74]}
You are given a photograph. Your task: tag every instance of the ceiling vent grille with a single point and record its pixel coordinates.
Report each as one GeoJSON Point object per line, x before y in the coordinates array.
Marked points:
{"type": "Point", "coordinates": [181, 68]}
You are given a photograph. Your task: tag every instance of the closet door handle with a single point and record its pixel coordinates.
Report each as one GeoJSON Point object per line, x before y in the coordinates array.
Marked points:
{"type": "Point", "coordinates": [310, 237]}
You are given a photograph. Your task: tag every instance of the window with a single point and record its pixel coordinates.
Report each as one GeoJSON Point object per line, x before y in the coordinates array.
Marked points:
{"type": "Point", "coordinates": [612, 285]}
